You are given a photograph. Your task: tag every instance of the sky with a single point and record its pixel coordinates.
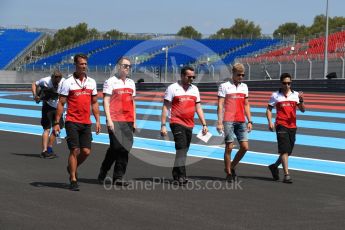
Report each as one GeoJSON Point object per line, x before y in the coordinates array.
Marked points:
{"type": "Point", "coordinates": [163, 16]}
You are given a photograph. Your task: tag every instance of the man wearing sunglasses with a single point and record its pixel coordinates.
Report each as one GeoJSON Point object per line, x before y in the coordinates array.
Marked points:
{"type": "Point", "coordinates": [285, 100]}
{"type": "Point", "coordinates": [181, 101]}
{"type": "Point", "coordinates": [46, 89]}
{"type": "Point", "coordinates": [119, 107]}
{"type": "Point", "coordinates": [233, 107]}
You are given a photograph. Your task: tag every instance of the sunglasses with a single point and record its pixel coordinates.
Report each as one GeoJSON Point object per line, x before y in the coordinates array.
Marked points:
{"type": "Point", "coordinates": [190, 77]}
{"type": "Point", "coordinates": [126, 66]}
{"type": "Point", "coordinates": [240, 75]}
{"type": "Point", "coordinates": [286, 83]}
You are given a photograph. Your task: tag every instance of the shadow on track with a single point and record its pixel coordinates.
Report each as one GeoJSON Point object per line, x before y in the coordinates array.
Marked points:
{"type": "Point", "coordinates": [50, 184]}
{"type": "Point", "coordinates": [27, 155]}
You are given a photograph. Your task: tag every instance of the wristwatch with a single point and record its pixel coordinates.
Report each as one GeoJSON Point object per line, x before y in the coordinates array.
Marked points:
{"type": "Point", "coordinates": [250, 122]}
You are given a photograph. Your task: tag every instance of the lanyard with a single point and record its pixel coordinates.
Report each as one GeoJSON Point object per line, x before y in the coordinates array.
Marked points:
{"type": "Point", "coordinates": [82, 85]}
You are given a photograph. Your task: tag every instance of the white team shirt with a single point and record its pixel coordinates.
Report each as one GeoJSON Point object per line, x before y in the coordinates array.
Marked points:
{"type": "Point", "coordinates": [182, 104]}
{"type": "Point", "coordinates": [46, 82]}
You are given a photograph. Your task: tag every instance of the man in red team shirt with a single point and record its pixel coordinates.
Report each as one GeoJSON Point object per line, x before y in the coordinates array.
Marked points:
{"type": "Point", "coordinates": [79, 91]}
{"type": "Point", "coordinates": [119, 107]}
{"type": "Point", "coordinates": [285, 100]}
{"type": "Point", "coordinates": [233, 107]}
{"type": "Point", "coordinates": [182, 100]}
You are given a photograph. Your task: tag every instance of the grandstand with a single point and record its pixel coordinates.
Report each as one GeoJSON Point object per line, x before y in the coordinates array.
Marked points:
{"type": "Point", "coordinates": [265, 58]}
{"type": "Point", "coordinates": [64, 56]}
{"type": "Point", "coordinates": [181, 51]}
{"type": "Point", "coordinates": [312, 49]}
{"type": "Point", "coordinates": [14, 42]}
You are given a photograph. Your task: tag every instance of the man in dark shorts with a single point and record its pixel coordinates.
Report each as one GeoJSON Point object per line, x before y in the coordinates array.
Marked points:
{"type": "Point", "coordinates": [46, 90]}
{"type": "Point", "coordinates": [79, 91]}
{"type": "Point", "coordinates": [285, 100]}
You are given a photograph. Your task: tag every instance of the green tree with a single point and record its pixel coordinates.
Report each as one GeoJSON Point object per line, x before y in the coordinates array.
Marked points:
{"type": "Point", "coordinates": [113, 34]}
{"type": "Point", "coordinates": [319, 24]}
{"type": "Point", "coordinates": [303, 32]}
{"type": "Point", "coordinates": [189, 32]}
{"type": "Point", "coordinates": [222, 34]}
{"type": "Point", "coordinates": [337, 22]}
{"type": "Point", "coordinates": [286, 29]}
{"type": "Point", "coordinates": [290, 29]}
{"type": "Point", "coordinates": [70, 36]}
{"type": "Point", "coordinates": [240, 29]}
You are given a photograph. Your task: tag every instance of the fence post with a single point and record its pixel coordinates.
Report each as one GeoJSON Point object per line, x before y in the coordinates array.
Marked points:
{"type": "Point", "coordinates": [212, 67]}
{"type": "Point", "coordinates": [249, 70]}
{"type": "Point", "coordinates": [310, 68]}
{"type": "Point", "coordinates": [280, 68]}
{"type": "Point", "coordinates": [295, 69]}
{"type": "Point", "coordinates": [342, 67]}
{"type": "Point", "coordinates": [173, 73]}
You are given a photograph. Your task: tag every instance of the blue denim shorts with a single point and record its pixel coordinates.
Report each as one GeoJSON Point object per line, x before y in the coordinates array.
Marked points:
{"type": "Point", "coordinates": [232, 129]}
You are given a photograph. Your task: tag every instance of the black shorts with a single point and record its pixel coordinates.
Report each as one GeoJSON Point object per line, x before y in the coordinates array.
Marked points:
{"type": "Point", "coordinates": [48, 116]}
{"type": "Point", "coordinates": [78, 135]}
{"type": "Point", "coordinates": [286, 139]}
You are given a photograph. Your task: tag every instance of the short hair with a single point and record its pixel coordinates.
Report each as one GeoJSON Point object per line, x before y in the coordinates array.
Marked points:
{"type": "Point", "coordinates": [238, 67]}
{"type": "Point", "coordinates": [77, 56]}
{"type": "Point", "coordinates": [119, 61]}
{"type": "Point", "coordinates": [56, 73]}
{"type": "Point", "coordinates": [185, 68]}
{"type": "Point", "coordinates": [285, 75]}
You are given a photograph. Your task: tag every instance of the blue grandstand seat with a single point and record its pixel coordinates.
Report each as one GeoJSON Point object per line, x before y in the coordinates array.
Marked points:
{"type": "Point", "coordinates": [181, 52]}
{"type": "Point", "coordinates": [65, 55]}
{"type": "Point", "coordinates": [13, 42]}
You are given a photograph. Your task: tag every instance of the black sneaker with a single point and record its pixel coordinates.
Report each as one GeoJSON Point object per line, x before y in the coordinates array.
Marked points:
{"type": "Point", "coordinates": [74, 186]}
{"type": "Point", "coordinates": [229, 178]}
{"type": "Point", "coordinates": [120, 182]}
{"type": "Point", "coordinates": [101, 176]}
{"type": "Point", "coordinates": [180, 181]}
{"type": "Point", "coordinates": [234, 176]}
{"type": "Point", "coordinates": [51, 155]}
{"type": "Point", "coordinates": [275, 171]}
{"type": "Point", "coordinates": [287, 179]}
{"type": "Point", "coordinates": [186, 180]}
{"type": "Point", "coordinates": [43, 154]}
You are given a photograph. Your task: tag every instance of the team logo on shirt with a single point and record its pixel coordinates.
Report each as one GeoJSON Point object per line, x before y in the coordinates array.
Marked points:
{"type": "Point", "coordinates": [81, 93]}
{"type": "Point", "coordinates": [287, 104]}
{"type": "Point", "coordinates": [183, 99]}
{"type": "Point", "coordinates": [233, 96]}
{"type": "Point", "coordinates": [123, 91]}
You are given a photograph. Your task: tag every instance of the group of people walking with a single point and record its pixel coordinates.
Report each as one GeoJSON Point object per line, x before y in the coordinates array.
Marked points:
{"type": "Point", "coordinates": [181, 102]}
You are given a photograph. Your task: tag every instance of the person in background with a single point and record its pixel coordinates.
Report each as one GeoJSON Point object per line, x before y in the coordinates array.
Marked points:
{"type": "Point", "coordinates": [285, 100]}
{"type": "Point", "coordinates": [46, 90]}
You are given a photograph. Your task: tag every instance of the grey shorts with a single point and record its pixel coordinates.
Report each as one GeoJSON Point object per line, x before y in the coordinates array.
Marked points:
{"type": "Point", "coordinates": [232, 129]}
